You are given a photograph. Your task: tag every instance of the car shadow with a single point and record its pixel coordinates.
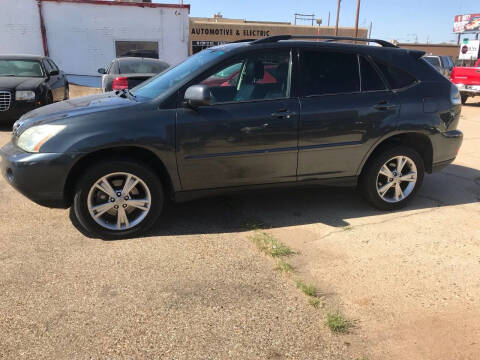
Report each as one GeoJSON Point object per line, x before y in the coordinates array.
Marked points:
{"type": "Point", "coordinates": [455, 185]}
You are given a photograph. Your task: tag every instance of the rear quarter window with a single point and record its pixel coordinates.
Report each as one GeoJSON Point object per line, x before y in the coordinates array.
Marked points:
{"type": "Point", "coordinates": [396, 77]}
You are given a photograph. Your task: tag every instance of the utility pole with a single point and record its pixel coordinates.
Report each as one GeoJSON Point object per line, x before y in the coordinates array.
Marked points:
{"type": "Point", "coordinates": [370, 30]}
{"type": "Point", "coordinates": [328, 19]}
{"type": "Point", "coordinates": [356, 18]}
{"type": "Point", "coordinates": [338, 16]}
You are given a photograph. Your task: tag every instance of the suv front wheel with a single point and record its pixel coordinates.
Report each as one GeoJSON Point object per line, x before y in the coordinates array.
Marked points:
{"type": "Point", "coordinates": [118, 199]}
{"type": "Point", "coordinates": [392, 178]}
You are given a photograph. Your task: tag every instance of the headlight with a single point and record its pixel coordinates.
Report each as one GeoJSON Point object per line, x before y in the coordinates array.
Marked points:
{"type": "Point", "coordinates": [24, 95]}
{"type": "Point", "coordinates": [33, 138]}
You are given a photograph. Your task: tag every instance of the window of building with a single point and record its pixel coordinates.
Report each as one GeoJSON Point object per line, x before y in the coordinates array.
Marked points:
{"type": "Point", "coordinates": [198, 46]}
{"type": "Point", "coordinates": [146, 49]}
{"type": "Point", "coordinates": [396, 78]}
{"type": "Point", "coordinates": [325, 72]}
{"type": "Point", "coordinates": [257, 77]}
{"type": "Point", "coordinates": [371, 80]}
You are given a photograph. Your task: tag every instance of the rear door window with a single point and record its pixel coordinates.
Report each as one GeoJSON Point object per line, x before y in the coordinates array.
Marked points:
{"type": "Point", "coordinates": [325, 72]}
{"type": "Point", "coordinates": [371, 80]}
{"type": "Point", "coordinates": [396, 77]}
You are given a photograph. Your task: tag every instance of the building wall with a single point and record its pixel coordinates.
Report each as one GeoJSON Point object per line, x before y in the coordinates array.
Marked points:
{"type": "Point", "coordinates": [82, 44]}
{"type": "Point", "coordinates": [20, 28]}
{"type": "Point", "coordinates": [210, 31]}
{"type": "Point", "coordinates": [435, 49]}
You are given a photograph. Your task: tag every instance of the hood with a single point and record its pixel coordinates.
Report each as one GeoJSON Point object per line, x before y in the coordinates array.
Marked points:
{"type": "Point", "coordinates": [19, 83]}
{"type": "Point", "coordinates": [70, 109]}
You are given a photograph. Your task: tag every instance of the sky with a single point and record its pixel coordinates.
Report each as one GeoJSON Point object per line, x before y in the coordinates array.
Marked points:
{"type": "Point", "coordinates": [402, 20]}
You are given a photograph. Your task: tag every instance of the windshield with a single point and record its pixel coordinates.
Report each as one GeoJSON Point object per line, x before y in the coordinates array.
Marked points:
{"type": "Point", "coordinates": [141, 66]}
{"type": "Point", "coordinates": [21, 68]}
{"type": "Point", "coordinates": [164, 81]}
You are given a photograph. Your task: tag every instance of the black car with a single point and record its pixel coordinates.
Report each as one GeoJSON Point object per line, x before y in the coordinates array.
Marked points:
{"type": "Point", "coordinates": [128, 72]}
{"type": "Point", "coordinates": [27, 82]}
{"type": "Point", "coordinates": [328, 113]}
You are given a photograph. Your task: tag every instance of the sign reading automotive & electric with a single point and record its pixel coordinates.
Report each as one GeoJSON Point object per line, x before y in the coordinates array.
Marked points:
{"type": "Point", "coordinates": [466, 23]}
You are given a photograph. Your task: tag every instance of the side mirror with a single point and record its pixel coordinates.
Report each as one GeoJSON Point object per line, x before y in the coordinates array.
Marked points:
{"type": "Point", "coordinates": [53, 72]}
{"type": "Point", "coordinates": [198, 95]}
{"type": "Point", "coordinates": [102, 71]}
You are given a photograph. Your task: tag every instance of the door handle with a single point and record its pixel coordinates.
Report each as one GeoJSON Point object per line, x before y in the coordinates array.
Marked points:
{"type": "Point", "coordinates": [282, 114]}
{"type": "Point", "coordinates": [384, 105]}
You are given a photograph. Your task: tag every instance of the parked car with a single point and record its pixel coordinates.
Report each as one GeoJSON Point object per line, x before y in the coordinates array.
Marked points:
{"type": "Point", "coordinates": [128, 72]}
{"type": "Point", "coordinates": [27, 82]}
{"type": "Point", "coordinates": [337, 113]}
{"type": "Point", "coordinates": [467, 80]}
{"type": "Point", "coordinates": [442, 63]}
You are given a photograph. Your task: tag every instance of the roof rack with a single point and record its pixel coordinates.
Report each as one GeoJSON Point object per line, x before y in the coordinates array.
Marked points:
{"type": "Point", "coordinates": [276, 38]}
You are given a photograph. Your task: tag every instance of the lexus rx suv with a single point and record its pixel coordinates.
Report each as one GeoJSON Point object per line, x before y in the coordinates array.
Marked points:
{"type": "Point", "coordinates": [300, 111]}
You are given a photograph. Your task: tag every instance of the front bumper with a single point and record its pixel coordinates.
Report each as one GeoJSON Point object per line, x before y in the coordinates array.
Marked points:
{"type": "Point", "coordinates": [39, 176]}
{"type": "Point", "coordinates": [16, 110]}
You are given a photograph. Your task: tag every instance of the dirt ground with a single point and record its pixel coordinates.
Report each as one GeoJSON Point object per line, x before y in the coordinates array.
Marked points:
{"type": "Point", "coordinates": [197, 288]}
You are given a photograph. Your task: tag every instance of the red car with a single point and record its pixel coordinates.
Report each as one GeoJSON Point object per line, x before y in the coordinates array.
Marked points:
{"type": "Point", "coordinates": [467, 80]}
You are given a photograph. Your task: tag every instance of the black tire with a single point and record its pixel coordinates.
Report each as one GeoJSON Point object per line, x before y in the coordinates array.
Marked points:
{"type": "Point", "coordinates": [368, 179]}
{"type": "Point", "coordinates": [464, 99]}
{"type": "Point", "coordinates": [103, 168]}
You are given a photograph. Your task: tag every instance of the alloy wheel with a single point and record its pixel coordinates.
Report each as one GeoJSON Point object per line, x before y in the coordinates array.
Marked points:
{"type": "Point", "coordinates": [396, 179]}
{"type": "Point", "coordinates": [119, 201]}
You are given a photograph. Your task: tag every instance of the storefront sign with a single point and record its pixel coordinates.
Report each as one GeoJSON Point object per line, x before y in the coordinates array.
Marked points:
{"type": "Point", "coordinates": [205, 30]}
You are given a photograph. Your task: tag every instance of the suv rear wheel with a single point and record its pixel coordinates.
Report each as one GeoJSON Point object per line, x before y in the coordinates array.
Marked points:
{"type": "Point", "coordinates": [118, 199]}
{"type": "Point", "coordinates": [392, 178]}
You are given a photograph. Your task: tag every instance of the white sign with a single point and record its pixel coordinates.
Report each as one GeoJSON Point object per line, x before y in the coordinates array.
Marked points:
{"type": "Point", "coordinates": [469, 50]}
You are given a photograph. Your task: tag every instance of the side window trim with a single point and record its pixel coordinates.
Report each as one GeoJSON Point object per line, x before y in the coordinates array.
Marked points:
{"type": "Point", "coordinates": [360, 73]}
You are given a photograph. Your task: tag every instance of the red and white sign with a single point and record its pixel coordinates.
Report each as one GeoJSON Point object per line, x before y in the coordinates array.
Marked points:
{"type": "Point", "coordinates": [466, 23]}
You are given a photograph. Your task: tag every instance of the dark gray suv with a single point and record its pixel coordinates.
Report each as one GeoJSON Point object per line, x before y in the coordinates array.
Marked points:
{"type": "Point", "coordinates": [272, 112]}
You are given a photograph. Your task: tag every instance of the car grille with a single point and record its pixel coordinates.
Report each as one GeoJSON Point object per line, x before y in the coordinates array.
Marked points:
{"type": "Point", "coordinates": [5, 100]}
